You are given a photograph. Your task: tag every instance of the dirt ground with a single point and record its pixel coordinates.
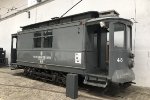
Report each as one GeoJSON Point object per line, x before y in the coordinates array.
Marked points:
{"type": "Point", "coordinates": [15, 86]}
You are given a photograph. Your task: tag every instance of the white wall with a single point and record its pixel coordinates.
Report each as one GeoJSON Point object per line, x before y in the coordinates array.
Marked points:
{"type": "Point", "coordinates": [8, 6]}
{"type": "Point", "coordinates": [124, 7]}
{"type": "Point", "coordinates": [32, 2]}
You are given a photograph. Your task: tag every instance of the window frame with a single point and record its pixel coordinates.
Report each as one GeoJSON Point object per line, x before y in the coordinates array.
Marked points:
{"type": "Point", "coordinates": [130, 37]}
{"type": "Point", "coordinates": [42, 36]}
{"type": "Point", "coordinates": [50, 45]}
{"type": "Point", "coordinates": [124, 35]}
{"type": "Point", "coordinates": [37, 37]}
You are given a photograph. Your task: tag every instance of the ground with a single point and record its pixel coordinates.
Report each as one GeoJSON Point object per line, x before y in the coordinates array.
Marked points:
{"type": "Point", "coordinates": [15, 86]}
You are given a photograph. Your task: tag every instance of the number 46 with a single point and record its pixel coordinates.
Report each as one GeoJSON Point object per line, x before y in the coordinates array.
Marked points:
{"type": "Point", "coordinates": [119, 59]}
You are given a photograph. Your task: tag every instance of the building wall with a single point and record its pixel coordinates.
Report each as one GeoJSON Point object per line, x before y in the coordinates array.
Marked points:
{"type": "Point", "coordinates": [8, 7]}
{"type": "Point", "coordinates": [126, 8]}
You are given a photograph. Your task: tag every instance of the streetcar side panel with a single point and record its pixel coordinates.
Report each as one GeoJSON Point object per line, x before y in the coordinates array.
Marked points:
{"type": "Point", "coordinates": [64, 54]}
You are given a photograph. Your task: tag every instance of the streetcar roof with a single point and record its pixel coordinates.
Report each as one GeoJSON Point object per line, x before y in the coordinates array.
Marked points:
{"type": "Point", "coordinates": [97, 20]}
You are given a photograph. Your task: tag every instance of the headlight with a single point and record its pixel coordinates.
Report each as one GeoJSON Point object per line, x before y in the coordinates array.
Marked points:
{"type": "Point", "coordinates": [131, 55]}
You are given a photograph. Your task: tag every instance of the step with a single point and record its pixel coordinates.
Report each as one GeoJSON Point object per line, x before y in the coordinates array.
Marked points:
{"type": "Point", "coordinates": [95, 80]}
{"type": "Point", "coordinates": [98, 75]}
{"type": "Point", "coordinates": [96, 84]}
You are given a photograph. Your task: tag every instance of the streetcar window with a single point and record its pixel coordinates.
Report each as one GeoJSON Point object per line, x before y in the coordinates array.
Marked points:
{"type": "Point", "coordinates": [107, 37]}
{"type": "Point", "coordinates": [95, 40]}
{"type": "Point", "coordinates": [128, 37]}
{"type": "Point", "coordinates": [48, 39]}
{"type": "Point", "coordinates": [43, 39]}
{"type": "Point", "coordinates": [37, 40]}
{"type": "Point", "coordinates": [37, 34]}
{"type": "Point", "coordinates": [119, 30]}
{"type": "Point", "coordinates": [14, 43]}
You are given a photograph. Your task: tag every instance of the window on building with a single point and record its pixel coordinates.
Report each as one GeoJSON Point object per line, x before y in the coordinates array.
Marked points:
{"type": "Point", "coordinates": [37, 39]}
{"type": "Point", "coordinates": [48, 39]}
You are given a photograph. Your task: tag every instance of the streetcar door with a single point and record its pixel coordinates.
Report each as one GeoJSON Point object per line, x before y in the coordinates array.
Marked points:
{"type": "Point", "coordinates": [97, 48]}
{"type": "Point", "coordinates": [14, 49]}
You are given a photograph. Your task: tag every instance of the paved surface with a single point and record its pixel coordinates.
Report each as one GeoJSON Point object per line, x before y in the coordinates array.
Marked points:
{"type": "Point", "coordinates": [15, 86]}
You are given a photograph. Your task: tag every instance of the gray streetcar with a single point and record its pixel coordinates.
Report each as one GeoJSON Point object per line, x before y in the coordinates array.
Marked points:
{"type": "Point", "coordinates": [95, 45]}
